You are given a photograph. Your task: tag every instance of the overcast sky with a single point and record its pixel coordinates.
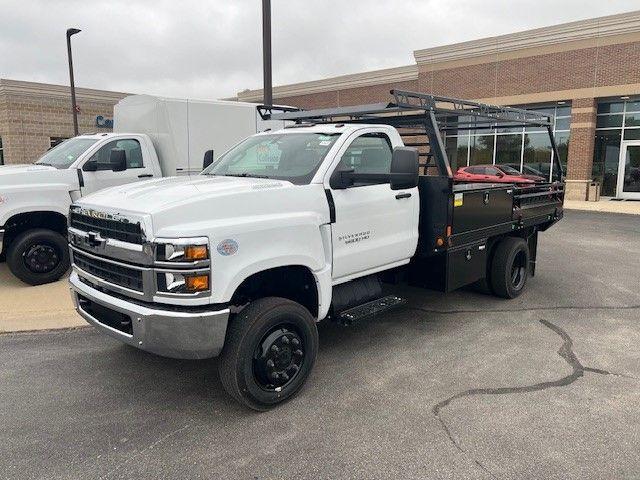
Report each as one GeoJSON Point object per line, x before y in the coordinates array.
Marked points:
{"type": "Point", "coordinates": [212, 48]}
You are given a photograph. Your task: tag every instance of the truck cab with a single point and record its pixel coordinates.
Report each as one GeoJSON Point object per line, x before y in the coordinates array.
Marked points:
{"type": "Point", "coordinates": [299, 225]}
{"type": "Point", "coordinates": [170, 137]}
{"type": "Point", "coordinates": [35, 199]}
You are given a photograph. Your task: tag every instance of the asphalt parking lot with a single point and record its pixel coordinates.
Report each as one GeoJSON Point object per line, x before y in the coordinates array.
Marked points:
{"type": "Point", "coordinates": [458, 386]}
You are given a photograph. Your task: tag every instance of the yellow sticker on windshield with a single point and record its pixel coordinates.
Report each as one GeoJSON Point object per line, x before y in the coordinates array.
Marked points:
{"type": "Point", "coordinates": [458, 199]}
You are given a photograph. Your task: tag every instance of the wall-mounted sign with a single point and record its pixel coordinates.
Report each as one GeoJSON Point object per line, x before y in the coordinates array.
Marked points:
{"type": "Point", "coordinates": [102, 122]}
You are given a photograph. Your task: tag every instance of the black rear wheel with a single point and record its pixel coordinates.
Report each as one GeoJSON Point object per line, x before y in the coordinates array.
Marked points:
{"type": "Point", "coordinates": [270, 349]}
{"type": "Point", "coordinates": [510, 267]}
{"type": "Point", "coordinates": [38, 256]}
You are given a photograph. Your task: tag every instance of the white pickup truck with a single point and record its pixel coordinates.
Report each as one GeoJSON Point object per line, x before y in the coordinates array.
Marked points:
{"type": "Point", "coordinates": [298, 225]}
{"type": "Point", "coordinates": [172, 137]}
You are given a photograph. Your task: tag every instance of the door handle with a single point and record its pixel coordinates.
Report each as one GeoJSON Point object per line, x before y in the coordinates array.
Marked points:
{"type": "Point", "coordinates": [145, 175]}
{"type": "Point", "coordinates": [403, 195]}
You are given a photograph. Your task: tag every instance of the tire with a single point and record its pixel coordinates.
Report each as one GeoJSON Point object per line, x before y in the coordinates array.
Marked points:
{"type": "Point", "coordinates": [244, 363]}
{"type": "Point", "coordinates": [509, 267]}
{"type": "Point", "coordinates": [38, 256]}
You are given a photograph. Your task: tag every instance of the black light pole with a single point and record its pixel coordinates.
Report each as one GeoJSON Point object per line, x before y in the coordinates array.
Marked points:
{"type": "Point", "coordinates": [266, 52]}
{"type": "Point", "coordinates": [72, 31]}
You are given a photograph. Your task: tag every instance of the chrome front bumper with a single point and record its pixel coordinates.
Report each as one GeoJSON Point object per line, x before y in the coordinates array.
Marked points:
{"type": "Point", "coordinates": [167, 332]}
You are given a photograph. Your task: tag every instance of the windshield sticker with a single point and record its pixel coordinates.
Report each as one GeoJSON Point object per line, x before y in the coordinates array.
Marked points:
{"type": "Point", "coordinates": [324, 143]}
{"type": "Point", "coordinates": [458, 200]}
{"type": "Point", "coordinates": [268, 154]}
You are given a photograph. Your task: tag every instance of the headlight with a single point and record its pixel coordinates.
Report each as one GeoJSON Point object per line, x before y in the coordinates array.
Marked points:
{"type": "Point", "coordinates": [187, 282]}
{"type": "Point", "coordinates": [182, 250]}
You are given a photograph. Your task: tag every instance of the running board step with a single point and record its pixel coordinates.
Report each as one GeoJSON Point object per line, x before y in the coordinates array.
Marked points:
{"type": "Point", "coordinates": [369, 309]}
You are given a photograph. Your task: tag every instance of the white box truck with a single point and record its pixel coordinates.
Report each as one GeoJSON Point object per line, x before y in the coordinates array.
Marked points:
{"type": "Point", "coordinates": [153, 137]}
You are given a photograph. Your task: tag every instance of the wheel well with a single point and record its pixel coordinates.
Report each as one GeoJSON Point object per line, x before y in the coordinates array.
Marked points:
{"type": "Point", "coordinates": [294, 282]}
{"type": "Point", "coordinates": [26, 221]}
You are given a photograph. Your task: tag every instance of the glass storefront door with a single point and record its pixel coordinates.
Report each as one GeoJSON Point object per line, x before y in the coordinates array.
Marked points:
{"type": "Point", "coordinates": [629, 170]}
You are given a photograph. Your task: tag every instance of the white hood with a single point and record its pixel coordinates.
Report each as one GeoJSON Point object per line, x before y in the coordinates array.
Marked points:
{"type": "Point", "coordinates": [26, 175]}
{"type": "Point", "coordinates": [158, 195]}
{"type": "Point", "coordinates": [175, 202]}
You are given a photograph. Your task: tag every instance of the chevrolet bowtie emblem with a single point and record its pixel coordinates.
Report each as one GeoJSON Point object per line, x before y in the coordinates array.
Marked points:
{"type": "Point", "coordinates": [94, 239]}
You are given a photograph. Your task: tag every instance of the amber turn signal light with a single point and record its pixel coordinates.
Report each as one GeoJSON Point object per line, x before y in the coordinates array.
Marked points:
{"type": "Point", "coordinates": [196, 252]}
{"type": "Point", "coordinates": [197, 283]}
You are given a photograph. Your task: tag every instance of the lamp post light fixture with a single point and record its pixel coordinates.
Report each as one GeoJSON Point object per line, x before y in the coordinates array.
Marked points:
{"type": "Point", "coordinates": [74, 107]}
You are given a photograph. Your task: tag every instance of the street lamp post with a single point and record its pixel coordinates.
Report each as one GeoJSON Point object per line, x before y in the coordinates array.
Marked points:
{"type": "Point", "coordinates": [74, 110]}
{"type": "Point", "coordinates": [266, 52]}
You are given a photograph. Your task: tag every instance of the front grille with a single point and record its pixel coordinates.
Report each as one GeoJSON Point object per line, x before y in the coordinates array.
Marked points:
{"type": "Point", "coordinates": [116, 274]}
{"type": "Point", "coordinates": [106, 316]}
{"type": "Point", "coordinates": [124, 231]}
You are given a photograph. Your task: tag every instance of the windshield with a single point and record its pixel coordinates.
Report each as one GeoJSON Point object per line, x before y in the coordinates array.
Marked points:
{"type": "Point", "coordinates": [508, 170]}
{"type": "Point", "coordinates": [284, 156]}
{"type": "Point", "coordinates": [63, 155]}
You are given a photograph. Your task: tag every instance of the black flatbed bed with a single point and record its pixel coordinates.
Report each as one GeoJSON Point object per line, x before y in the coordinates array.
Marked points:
{"type": "Point", "coordinates": [459, 222]}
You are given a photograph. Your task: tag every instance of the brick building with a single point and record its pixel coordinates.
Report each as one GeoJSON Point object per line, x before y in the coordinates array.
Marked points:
{"type": "Point", "coordinates": [35, 116]}
{"type": "Point", "coordinates": [586, 73]}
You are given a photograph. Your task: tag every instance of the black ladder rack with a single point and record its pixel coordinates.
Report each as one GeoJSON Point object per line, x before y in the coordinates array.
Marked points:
{"type": "Point", "coordinates": [424, 115]}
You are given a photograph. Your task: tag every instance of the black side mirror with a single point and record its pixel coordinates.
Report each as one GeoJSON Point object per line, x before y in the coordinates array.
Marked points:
{"type": "Point", "coordinates": [341, 178]}
{"type": "Point", "coordinates": [404, 168]}
{"type": "Point", "coordinates": [499, 174]}
{"type": "Point", "coordinates": [208, 159]}
{"type": "Point", "coordinates": [118, 160]}
{"type": "Point", "coordinates": [90, 166]}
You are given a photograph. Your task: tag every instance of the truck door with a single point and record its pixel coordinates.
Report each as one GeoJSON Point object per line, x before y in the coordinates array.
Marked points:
{"type": "Point", "coordinates": [97, 172]}
{"type": "Point", "coordinates": [374, 226]}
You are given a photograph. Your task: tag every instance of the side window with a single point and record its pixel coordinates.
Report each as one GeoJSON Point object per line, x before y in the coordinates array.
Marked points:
{"type": "Point", "coordinates": [131, 147]}
{"type": "Point", "coordinates": [369, 153]}
{"type": "Point", "coordinates": [475, 170]}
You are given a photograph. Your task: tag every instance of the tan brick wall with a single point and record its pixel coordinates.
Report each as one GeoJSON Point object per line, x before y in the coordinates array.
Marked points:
{"type": "Point", "coordinates": [28, 122]}
{"type": "Point", "coordinates": [584, 68]}
{"type": "Point", "coordinates": [347, 96]}
{"type": "Point", "coordinates": [580, 156]}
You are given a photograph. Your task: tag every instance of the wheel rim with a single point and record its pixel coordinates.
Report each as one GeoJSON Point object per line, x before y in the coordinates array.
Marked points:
{"type": "Point", "coordinates": [278, 358]}
{"type": "Point", "coordinates": [519, 271]}
{"type": "Point", "coordinates": [41, 258]}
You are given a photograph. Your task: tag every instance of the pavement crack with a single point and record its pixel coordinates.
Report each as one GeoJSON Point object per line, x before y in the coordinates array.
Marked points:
{"type": "Point", "coordinates": [145, 449]}
{"type": "Point", "coordinates": [565, 351]}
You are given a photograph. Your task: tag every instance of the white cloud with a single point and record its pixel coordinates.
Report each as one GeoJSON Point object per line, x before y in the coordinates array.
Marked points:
{"type": "Point", "coordinates": [210, 49]}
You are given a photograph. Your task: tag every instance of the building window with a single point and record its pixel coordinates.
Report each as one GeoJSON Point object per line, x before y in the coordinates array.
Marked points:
{"type": "Point", "coordinates": [1, 153]}
{"type": "Point", "coordinates": [55, 141]}
{"type": "Point", "coordinates": [525, 149]}
{"type": "Point", "coordinates": [616, 120]}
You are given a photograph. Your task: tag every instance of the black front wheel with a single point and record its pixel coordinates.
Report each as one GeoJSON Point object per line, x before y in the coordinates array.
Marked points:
{"type": "Point", "coordinates": [270, 349]}
{"type": "Point", "coordinates": [38, 256]}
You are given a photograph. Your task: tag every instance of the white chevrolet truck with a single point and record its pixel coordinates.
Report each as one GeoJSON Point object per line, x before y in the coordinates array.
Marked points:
{"type": "Point", "coordinates": [294, 226]}
{"type": "Point", "coordinates": [154, 137]}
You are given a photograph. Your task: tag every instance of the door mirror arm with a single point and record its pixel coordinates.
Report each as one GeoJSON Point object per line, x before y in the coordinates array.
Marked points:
{"type": "Point", "coordinates": [342, 178]}
{"type": "Point", "coordinates": [90, 166]}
